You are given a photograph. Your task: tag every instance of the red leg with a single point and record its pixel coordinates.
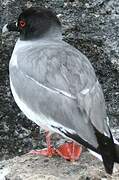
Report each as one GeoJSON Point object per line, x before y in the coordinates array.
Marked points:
{"type": "Point", "coordinates": [69, 151]}
{"type": "Point", "coordinates": [49, 151]}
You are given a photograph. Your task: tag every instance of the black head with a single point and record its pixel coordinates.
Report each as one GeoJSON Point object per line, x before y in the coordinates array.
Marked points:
{"type": "Point", "coordinates": [35, 23]}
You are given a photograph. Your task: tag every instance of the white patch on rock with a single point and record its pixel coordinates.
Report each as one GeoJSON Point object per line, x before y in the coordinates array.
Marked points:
{"type": "Point", "coordinates": [3, 173]}
{"type": "Point", "coordinates": [4, 29]}
{"type": "Point", "coordinates": [5, 2]}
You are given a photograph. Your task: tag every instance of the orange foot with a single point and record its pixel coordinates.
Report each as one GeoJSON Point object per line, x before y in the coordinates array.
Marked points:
{"type": "Point", "coordinates": [69, 151]}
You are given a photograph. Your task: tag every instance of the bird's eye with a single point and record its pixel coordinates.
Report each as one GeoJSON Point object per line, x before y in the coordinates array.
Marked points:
{"type": "Point", "coordinates": [22, 23]}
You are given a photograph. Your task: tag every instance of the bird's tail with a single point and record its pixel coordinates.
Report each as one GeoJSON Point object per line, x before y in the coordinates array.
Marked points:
{"type": "Point", "coordinates": [116, 156]}
{"type": "Point", "coordinates": [116, 153]}
{"type": "Point", "coordinates": [108, 149]}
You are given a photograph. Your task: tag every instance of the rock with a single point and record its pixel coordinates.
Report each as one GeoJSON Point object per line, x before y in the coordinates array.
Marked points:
{"type": "Point", "coordinates": [28, 167]}
{"type": "Point", "coordinates": [92, 27]}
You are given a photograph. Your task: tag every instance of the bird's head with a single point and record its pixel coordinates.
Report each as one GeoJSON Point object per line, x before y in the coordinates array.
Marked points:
{"type": "Point", "coordinates": [35, 23]}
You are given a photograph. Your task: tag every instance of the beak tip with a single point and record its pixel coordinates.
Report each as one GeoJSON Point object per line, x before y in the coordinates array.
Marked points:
{"type": "Point", "coordinates": [5, 29]}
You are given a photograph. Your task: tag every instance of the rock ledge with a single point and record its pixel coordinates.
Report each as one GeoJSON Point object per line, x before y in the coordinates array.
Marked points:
{"type": "Point", "coordinates": [29, 167]}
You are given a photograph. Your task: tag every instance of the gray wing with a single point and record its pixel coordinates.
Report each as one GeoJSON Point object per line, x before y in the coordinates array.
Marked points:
{"type": "Point", "coordinates": [58, 81]}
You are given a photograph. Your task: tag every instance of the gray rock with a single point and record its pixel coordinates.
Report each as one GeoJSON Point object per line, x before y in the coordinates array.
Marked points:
{"type": "Point", "coordinates": [28, 167]}
{"type": "Point", "coordinates": [92, 26]}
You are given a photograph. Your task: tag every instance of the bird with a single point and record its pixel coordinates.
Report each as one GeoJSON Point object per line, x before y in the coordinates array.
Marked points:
{"type": "Point", "coordinates": [56, 87]}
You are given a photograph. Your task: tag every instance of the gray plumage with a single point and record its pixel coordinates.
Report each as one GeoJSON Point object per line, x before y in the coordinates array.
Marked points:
{"type": "Point", "coordinates": [57, 65]}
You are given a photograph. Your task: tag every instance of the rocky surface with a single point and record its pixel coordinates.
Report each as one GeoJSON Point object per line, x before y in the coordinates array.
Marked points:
{"type": "Point", "coordinates": [28, 167]}
{"type": "Point", "coordinates": [90, 25]}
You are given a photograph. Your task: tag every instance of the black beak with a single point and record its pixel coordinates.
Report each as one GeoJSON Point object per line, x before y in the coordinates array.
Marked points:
{"type": "Point", "coordinates": [10, 27]}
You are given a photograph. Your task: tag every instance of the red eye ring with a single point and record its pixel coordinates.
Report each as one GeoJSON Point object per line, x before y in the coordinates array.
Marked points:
{"type": "Point", "coordinates": [22, 23]}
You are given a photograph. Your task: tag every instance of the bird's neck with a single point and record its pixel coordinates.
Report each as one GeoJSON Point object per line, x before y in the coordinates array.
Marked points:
{"type": "Point", "coordinates": [53, 33]}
